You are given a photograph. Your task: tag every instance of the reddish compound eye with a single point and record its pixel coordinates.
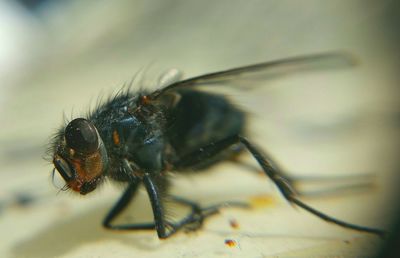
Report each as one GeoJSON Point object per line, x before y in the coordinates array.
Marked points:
{"type": "Point", "coordinates": [81, 135]}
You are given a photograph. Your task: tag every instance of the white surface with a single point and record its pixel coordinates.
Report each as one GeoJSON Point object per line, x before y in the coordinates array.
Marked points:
{"type": "Point", "coordinates": [325, 123]}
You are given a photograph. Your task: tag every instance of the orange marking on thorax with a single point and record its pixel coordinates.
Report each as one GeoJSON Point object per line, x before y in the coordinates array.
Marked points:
{"type": "Point", "coordinates": [116, 138]}
{"type": "Point", "coordinates": [144, 100]}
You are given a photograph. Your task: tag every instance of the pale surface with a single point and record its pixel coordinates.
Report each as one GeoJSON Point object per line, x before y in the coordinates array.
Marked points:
{"type": "Point", "coordinates": [325, 123]}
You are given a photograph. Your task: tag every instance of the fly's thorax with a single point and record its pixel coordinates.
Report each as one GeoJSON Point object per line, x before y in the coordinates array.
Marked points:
{"type": "Point", "coordinates": [81, 157]}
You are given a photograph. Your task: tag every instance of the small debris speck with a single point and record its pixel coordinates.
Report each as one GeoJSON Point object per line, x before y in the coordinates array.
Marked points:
{"type": "Point", "coordinates": [234, 224]}
{"type": "Point", "coordinates": [230, 242]}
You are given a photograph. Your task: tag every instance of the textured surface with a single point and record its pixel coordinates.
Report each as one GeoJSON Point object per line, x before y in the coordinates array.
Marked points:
{"type": "Point", "coordinates": [326, 123]}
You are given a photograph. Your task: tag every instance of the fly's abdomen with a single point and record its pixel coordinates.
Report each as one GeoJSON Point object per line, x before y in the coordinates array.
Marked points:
{"type": "Point", "coordinates": [200, 119]}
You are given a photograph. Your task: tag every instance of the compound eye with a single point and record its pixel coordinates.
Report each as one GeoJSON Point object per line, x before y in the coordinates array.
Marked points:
{"type": "Point", "coordinates": [81, 136]}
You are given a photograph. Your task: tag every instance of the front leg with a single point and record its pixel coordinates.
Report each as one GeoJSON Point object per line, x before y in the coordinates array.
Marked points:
{"type": "Point", "coordinates": [120, 206]}
{"type": "Point", "coordinates": [155, 186]}
{"type": "Point", "coordinates": [153, 190]}
{"type": "Point", "coordinates": [123, 202]}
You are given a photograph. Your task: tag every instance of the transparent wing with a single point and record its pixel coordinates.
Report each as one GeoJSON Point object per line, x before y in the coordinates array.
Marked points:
{"type": "Point", "coordinates": [267, 70]}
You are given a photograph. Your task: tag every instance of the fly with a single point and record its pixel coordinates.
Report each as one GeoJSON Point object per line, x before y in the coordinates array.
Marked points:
{"type": "Point", "coordinates": [138, 138]}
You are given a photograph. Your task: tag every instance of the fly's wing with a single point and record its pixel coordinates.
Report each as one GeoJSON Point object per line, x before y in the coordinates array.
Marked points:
{"type": "Point", "coordinates": [265, 71]}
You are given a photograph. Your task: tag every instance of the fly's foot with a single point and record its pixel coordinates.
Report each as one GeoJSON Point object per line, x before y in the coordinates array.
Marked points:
{"type": "Point", "coordinates": [195, 219]}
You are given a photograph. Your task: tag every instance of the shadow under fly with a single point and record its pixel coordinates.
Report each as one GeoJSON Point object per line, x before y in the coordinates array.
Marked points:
{"type": "Point", "coordinates": [139, 137]}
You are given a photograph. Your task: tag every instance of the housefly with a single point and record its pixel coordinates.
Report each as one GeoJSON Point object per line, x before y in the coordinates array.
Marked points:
{"type": "Point", "coordinates": [138, 138]}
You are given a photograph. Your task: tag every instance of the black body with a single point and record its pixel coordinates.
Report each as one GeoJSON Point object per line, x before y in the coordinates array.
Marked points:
{"type": "Point", "coordinates": [137, 138]}
{"type": "Point", "coordinates": [153, 141]}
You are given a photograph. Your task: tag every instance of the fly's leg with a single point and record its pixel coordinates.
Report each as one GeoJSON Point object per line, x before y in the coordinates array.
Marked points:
{"type": "Point", "coordinates": [154, 186]}
{"type": "Point", "coordinates": [272, 171]}
{"type": "Point", "coordinates": [120, 206]}
{"type": "Point", "coordinates": [164, 228]}
{"type": "Point", "coordinates": [195, 219]}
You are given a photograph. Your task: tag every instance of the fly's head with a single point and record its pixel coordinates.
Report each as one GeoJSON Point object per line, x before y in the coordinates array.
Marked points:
{"type": "Point", "coordinates": [80, 156]}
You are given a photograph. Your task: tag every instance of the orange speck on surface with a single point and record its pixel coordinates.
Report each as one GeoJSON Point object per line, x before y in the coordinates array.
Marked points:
{"type": "Point", "coordinates": [260, 201]}
{"type": "Point", "coordinates": [230, 242]}
{"type": "Point", "coordinates": [234, 224]}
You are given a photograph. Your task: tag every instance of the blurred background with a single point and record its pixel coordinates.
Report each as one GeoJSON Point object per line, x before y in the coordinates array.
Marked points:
{"type": "Point", "coordinates": [58, 57]}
